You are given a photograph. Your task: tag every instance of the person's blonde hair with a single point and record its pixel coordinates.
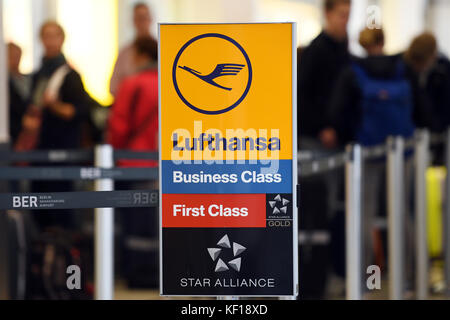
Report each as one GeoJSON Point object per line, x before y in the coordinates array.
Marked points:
{"type": "Point", "coordinates": [371, 37]}
{"type": "Point", "coordinates": [51, 23]}
{"type": "Point", "coordinates": [422, 49]}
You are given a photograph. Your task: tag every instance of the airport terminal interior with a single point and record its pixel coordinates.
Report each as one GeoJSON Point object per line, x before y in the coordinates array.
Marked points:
{"type": "Point", "coordinates": [366, 123]}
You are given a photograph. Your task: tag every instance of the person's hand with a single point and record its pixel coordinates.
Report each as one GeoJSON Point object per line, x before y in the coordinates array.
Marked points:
{"type": "Point", "coordinates": [32, 119]}
{"type": "Point", "coordinates": [328, 138]}
{"type": "Point", "coordinates": [63, 110]}
{"type": "Point", "coordinates": [48, 99]}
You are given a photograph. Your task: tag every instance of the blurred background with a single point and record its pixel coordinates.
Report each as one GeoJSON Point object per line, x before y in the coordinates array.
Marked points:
{"type": "Point", "coordinates": [96, 30]}
{"type": "Point", "coordinates": [99, 38]}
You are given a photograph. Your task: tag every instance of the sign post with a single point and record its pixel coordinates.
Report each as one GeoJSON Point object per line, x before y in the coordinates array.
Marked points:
{"type": "Point", "coordinates": [228, 167]}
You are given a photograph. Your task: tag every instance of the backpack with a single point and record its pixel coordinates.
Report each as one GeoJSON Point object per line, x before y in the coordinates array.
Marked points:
{"type": "Point", "coordinates": [387, 106]}
{"type": "Point", "coordinates": [51, 253]}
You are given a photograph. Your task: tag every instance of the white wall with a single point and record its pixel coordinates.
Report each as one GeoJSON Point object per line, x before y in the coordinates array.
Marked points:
{"type": "Point", "coordinates": [402, 21]}
{"type": "Point", "coordinates": [4, 115]}
{"type": "Point", "coordinates": [439, 23]}
{"type": "Point", "coordinates": [358, 21]}
{"type": "Point", "coordinates": [17, 26]}
{"type": "Point", "coordinates": [215, 11]}
{"type": "Point", "coordinates": [307, 14]}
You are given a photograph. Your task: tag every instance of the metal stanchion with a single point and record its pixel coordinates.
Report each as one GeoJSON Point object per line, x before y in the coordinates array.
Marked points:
{"type": "Point", "coordinates": [446, 219]}
{"type": "Point", "coordinates": [396, 216]}
{"type": "Point", "coordinates": [421, 164]}
{"type": "Point", "coordinates": [353, 225]}
{"type": "Point", "coordinates": [104, 231]}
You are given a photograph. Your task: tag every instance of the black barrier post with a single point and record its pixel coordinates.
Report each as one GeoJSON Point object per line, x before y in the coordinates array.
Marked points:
{"type": "Point", "coordinates": [446, 220]}
{"type": "Point", "coordinates": [353, 222]}
{"type": "Point", "coordinates": [4, 243]}
{"type": "Point", "coordinates": [4, 133]}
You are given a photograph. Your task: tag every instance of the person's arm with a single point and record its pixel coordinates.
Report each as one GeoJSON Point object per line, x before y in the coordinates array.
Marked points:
{"type": "Point", "coordinates": [72, 103]}
{"type": "Point", "coordinates": [422, 106]}
{"type": "Point", "coordinates": [307, 71]}
{"type": "Point", "coordinates": [311, 98]}
{"type": "Point", "coordinates": [65, 111]}
{"type": "Point", "coordinates": [120, 71]}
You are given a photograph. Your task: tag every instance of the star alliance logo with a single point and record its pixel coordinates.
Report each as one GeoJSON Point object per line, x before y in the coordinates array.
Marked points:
{"type": "Point", "coordinates": [279, 204]}
{"type": "Point", "coordinates": [224, 243]}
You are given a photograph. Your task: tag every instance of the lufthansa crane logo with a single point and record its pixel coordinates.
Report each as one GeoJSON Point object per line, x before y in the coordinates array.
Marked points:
{"type": "Point", "coordinates": [223, 69]}
{"type": "Point", "coordinates": [212, 74]}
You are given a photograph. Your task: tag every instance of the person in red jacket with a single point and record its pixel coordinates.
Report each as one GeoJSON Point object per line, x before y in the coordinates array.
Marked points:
{"type": "Point", "coordinates": [133, 125]}
{"type": "Point", "coordinates": [133, 122]}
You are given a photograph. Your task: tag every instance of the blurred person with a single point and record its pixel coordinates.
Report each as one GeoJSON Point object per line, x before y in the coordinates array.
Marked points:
{"type": "Point", "coordinates": [372, 40]}
{"type": "Point", "coordinates": [58, 100]}
{"type": "Point", "coordinates": [58, 105]}
{"type": "Point", "coordinates": [429, 72]}
{"type": "Point", "coordinates": [19, 91]}
{"type": "Point", "coordinates": [133, 122]}
{"type": "Point", "coordinates": [125, 65]}
{"type": "Point", "coordinates": [364, 85]}
{"type": "Point", "coordinates": [320, 66]}
{"type": "Point", "coordinates": [322, 195]}
{"type": "Point", "coordinates": [56, 108]}
{"type": "Point", "coordinates": [422, 52]}
{"type": "Point", "coordinates": [133, 125]}
{"type": "Point", "coordinates": [374, 99]}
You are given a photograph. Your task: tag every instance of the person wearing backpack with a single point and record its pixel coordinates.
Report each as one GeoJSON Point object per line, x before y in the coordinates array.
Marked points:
{"type": "Point", "coordinates": [375, 98]}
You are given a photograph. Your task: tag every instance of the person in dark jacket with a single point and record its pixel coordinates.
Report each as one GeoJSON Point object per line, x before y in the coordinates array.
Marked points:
{"type": "Point", "coordinates": [57, 108]}
{"type": "Point", "coordinates": [437, 87]}
{"type": "Point", "coordinates": [431, 75]}
{"type": "Point", "coordinates": [62, 111]}
{"type": "Point", "coordinates": [374, 98]}
{"type": "Point", "coordinates": [320, 65]}
{"type": "Point", "coordinates": [346, 105]}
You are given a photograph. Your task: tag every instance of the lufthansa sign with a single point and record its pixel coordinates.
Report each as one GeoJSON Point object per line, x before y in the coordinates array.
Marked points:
{"type": "Point", "coordinates": [228, 159]}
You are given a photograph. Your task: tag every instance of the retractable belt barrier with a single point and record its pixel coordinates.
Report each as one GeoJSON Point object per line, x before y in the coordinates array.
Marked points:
{"type": "Point", "coordinates": [52, 156]}
{"type": "Point", "coordinates": [71, 156]}
{"type": "Point", "coordinates": [310, 163]}
{"type": "Point", "coordinates": [79, 200]}
{"type": "Point", "coordinates": [77, 173]}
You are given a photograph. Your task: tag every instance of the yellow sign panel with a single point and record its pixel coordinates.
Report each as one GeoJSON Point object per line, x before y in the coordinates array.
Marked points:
{"type": "Point", "coordinates": [253, 85]}
{"type": "Point", "coordinates": [228, 162]}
